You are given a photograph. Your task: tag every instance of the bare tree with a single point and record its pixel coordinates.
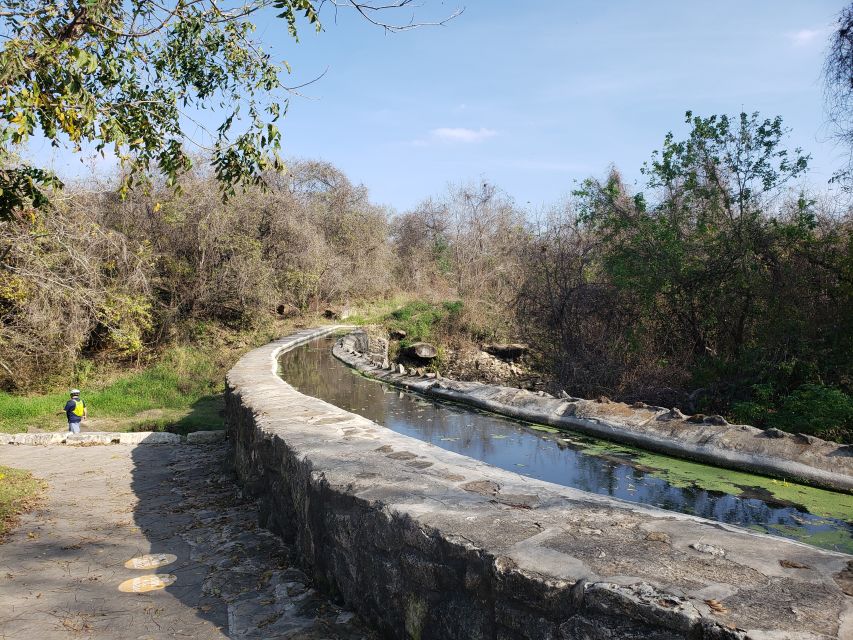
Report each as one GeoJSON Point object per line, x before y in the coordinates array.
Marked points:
{"type": "Point", "coordinates": [838, 89]}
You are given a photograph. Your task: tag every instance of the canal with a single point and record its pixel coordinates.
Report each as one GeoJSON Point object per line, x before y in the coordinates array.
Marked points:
{"type": "Point", "coordinates": [818, 517]}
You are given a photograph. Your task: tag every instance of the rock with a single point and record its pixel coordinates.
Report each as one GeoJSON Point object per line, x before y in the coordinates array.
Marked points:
{"type": "Point", "coordinates": [698, 418]}
{"type": "Point", "coordinates": [149, 437]}
{"type": "Point", "coordinates": [287, 310]}
{"type": "Point", "coordinates": [602, 399]}
{"type": "Point", "coordinates": [673, 414]}
{"type": "Point", "coordinates": [565, 396]}
{"type": "Point", "coordinates": [92, 438]}
{"type": "Point", "coordinates": [430, 375]}
{"type": "Point", "coordinates": [804, 438]}
{"type": "Point", "coordinates": [509, 351]}
{"type": "Point", "coordinates": [710, 549]}
{"type": "Point", "coordinates": [639, 405]}
{"type": "Point", "coordinates": [39, 438]}
{"type": "Point", "coordinates": [774, 433]}
{"type": "Point", "coordinates": [401, 369]}
{"type": "Point", "coordinates": [720, 421]}
{"type": "Point", "coordinates": [844, 579]}
{"type": "Point", "coordinates": [337, 314]}
{"type": "Point", "coordinates": [657, 536]}
{"type": "Point", "coordinates": [206, 437]}
{"type": "Point", "coordinates": [422, 350]}
{"type": "Point", "coordinates": [397, 334]}
{"type": "Point", "coordinates": [420, 371]}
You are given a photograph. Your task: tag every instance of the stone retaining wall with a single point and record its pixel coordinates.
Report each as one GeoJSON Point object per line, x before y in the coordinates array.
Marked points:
{"type": "Point", "coordinates": [424, 543]}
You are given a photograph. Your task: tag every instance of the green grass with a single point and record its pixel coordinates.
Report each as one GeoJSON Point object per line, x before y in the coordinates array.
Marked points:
{"type": "Point", "coordinates": [421, 319]}
{"type": "Point", "coordinates": [375, 312]}
{"type": "Point", "coordinates": [19, 492]}
{"type": "Point", "coordinates": [182, 392]}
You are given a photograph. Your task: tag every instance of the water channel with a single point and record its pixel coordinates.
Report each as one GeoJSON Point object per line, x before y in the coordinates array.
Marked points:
{"type": "Point", "coordinates": [818, 517]}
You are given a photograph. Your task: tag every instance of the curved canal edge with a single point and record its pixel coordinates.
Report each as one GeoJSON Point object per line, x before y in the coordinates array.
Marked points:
{"type": "Point", "coordinates": [802, 459]}
{"type": "Point", "coordinates": [425, 543]}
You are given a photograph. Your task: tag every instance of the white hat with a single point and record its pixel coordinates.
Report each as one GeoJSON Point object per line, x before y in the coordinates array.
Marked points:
{"type": "Point", "coordinates": [75, 392]}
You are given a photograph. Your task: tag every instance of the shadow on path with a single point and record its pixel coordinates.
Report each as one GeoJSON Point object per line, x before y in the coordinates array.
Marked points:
{"type": "Point", "coordinates": [236, 576]}
{"type": "Point", "coordinates": [61, 569]}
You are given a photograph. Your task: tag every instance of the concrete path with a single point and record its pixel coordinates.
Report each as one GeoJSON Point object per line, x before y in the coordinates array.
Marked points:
{"type": "Point", "coordinates": [67, 571]}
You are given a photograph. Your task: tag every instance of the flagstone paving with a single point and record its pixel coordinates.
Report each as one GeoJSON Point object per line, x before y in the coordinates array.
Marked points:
{"type": "Point", "coordinates": [151, 542]}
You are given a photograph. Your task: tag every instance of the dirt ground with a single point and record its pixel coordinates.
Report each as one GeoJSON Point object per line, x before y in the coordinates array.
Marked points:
{"type": "Point", "coordinates": [112, 514]}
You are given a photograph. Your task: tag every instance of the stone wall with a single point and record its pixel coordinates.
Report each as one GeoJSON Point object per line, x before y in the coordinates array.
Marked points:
{"type": "Point", "coordinates": [424, 543]}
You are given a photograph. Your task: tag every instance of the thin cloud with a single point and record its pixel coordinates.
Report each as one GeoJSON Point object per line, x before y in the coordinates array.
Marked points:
{"type": "Point", "coordinates": [805, 37]}
{"type": "Point", "coordinates": [463, 135]}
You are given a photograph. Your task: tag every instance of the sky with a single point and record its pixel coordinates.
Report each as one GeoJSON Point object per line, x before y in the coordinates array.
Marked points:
{"type": "Point", "coordinates": [535, 96]}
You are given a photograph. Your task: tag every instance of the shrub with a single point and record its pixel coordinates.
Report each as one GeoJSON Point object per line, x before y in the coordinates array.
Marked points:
{"type": "Point", "coordinates": [815, 409]}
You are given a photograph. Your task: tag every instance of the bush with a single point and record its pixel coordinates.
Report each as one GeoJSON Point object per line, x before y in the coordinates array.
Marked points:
{"type": "Point", "coordinates": [815, 409]}
{"type": "Point", "coordinates": [422, 320]}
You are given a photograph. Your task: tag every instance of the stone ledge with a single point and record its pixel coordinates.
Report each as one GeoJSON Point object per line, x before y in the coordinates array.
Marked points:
{"type": "Point", "coordinates": [425, 543]}
{"type": "Point", "coordinates": [91, 438]}
{"type": "Point", "coordinates": [804, 459]}
{"type": "Point", "coordinates": [206, 437]}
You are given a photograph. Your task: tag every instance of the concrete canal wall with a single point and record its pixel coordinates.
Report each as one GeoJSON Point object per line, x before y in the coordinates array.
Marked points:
{"type": "Point", "coordinates": [708, 439]}
{"type": "Point", "coordinates": [424, 543]}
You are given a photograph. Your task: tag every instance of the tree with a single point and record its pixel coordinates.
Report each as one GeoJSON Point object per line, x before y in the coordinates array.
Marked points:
{"type": "Point", "coordinates": [705, 246]}
{"type": "Point", "coordinates": [838, 88]}
{"type": "Point", "coordinates": [127, 75]}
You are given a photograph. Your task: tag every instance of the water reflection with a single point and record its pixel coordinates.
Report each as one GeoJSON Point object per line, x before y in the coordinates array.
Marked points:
{"type": "Point", "coordinates": [513, 446]}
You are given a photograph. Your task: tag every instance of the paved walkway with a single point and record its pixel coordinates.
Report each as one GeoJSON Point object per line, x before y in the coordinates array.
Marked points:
{"type": "Point", "coordinates": [68, 570]}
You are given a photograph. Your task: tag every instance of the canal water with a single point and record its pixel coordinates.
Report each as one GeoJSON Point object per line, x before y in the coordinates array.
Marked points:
{"type": "Point", "coordinates": [818, 517]}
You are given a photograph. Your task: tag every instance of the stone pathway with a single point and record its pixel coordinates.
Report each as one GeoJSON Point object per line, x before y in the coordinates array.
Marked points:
{"type": "Point", "coordinates": [205, 569]}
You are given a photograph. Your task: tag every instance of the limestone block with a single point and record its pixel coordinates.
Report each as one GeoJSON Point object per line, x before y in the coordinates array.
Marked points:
{"type": "Point", "coordinates": [206, 437]}
{"type": "Point", "coordinates": [92, 437]}
{"type": "Point", "coordinates": [39, 438]}
{"type": "Point", "coordinates": [149, 437]}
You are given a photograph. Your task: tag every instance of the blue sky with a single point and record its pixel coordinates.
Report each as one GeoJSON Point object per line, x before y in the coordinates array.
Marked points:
{"type": "Point", "coordinates": [536, 95]}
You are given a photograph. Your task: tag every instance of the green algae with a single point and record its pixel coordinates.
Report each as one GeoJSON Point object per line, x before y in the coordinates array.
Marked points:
{"type": "Point", "coordinates": [683, 474]}
{"type": "Point", "coordinates": [834, 539]}
{"type": "Point", "coordinates": [542, 427]}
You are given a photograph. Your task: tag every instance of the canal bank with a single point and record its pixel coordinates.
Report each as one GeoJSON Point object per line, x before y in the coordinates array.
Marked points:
{"type": "Point", "coordinates": [708, 439]}
{"type": "Point", "coordinates": [426, 543]}
{"type": "Point", "coordinates": [567, 458]}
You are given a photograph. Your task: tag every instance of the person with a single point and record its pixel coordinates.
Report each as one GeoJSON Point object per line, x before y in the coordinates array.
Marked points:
{"type": "Point", "coordinates": [76, 411]}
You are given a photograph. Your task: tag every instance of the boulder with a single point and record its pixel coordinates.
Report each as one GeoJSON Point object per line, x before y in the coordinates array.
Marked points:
{"type": "Point", "coordinates": [287, 310]}
{"type": "Point", "coordinates": [397, 334]}
{"type": "Point", "coordinates": [422, 350]}
{"type": "Point", "coordinates": [341, 313]}
{"type": "Point", "coordinates": [507, 351]}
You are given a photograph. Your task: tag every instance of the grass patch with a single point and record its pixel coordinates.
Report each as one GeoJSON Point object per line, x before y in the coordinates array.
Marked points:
{"type": "Point", "coordinates": [19, 492]}
{"type": "Point", "coordinates": [421, 320]}
{"type": "Point", "coordinates": [375, 312]}
{"type": "Point", "coordinates": [182, 390]}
